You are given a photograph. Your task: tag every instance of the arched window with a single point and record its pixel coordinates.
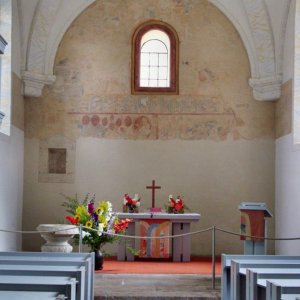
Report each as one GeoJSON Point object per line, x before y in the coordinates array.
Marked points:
{"type": "Point", "coordinates": [155, 59]}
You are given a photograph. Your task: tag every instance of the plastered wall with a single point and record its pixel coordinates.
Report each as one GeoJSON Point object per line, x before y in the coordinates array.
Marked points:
{"type": "Point", "coordinates": [213, 143]}
{"type": "Point", "coordinates": [287, 150]}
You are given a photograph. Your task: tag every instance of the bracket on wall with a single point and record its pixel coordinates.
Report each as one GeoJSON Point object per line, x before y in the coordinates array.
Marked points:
{"type": "Point", "coordinates": [266, 89]}
{"type": "Point", "coordinates": [35, 82]}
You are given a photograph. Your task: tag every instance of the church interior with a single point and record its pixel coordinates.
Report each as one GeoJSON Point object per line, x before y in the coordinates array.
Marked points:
{"type": "Point", "coordinates": [73, 121]}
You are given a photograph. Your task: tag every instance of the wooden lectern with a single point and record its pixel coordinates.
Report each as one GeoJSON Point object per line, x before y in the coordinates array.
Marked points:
{"type": "Point", "coordinates": [254, 224]}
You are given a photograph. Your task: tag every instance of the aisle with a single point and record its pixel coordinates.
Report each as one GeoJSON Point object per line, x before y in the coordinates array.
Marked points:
{"type": "Point", "coordinates": [155, 286]}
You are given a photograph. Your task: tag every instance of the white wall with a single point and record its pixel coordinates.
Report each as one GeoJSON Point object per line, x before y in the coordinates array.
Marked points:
{"type": "Point", "coordinates": [287, 196]}
{"type": "Point", "coordinates": [218, 180]}
{"type": "Point", "coordinates": [287, 167]}
{"type": "Point", "coordinates": [11, 188]}
{"type": "Point", "coordinates": [11, 166]}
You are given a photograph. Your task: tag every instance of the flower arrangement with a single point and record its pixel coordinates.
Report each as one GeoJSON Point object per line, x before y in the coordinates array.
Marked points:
{"type": "Point", "coordinates": [131, 204]}
{"type": "Point", "coordinates": [98, 221]}
{"type": "Point", "coordinates": [175, 206]}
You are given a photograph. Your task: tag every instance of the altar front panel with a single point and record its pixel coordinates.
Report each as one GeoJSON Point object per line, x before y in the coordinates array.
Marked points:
{"type": "Point", "coordinates": [154, 248]}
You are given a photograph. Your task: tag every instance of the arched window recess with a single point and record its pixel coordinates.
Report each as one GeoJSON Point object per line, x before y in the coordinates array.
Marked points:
{"type": "Point", "coordinates": [155, 51]}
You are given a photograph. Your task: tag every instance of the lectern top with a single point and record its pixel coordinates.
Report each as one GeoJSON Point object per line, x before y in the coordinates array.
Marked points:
{"type": "Point", "coordinates": [255, 206]}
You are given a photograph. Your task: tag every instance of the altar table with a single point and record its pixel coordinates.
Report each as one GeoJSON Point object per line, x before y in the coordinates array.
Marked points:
{"type": "Point", "coordinates": [180, 224]}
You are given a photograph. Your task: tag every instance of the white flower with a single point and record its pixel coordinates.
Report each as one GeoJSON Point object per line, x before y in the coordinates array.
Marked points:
{"type": "Point", "coordinates": [100, 229]}
{"type": "Point", "coordinates": [84, 234]}
{"type": "Point", "coordinates": [109, 205]}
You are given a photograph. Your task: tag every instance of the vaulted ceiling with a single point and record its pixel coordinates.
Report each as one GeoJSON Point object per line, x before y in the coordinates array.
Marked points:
{"type": "Point", "coordinates": [260, 23]}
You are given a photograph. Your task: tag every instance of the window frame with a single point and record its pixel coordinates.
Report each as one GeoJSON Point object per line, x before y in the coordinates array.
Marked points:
{"type": "Point", "coordinates": [136, 53]}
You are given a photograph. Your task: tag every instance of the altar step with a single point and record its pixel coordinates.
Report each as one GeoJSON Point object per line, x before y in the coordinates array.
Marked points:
{"type": "Point", "coordinates": [154, 286]}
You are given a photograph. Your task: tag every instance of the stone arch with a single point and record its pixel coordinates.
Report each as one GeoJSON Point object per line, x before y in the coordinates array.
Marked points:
{"type": "Point", "coordinates": [51, 21]}
{"type": "Point", "coordinates": [257, 36]}
{"type": "Point", "coordinates": [53, 17]}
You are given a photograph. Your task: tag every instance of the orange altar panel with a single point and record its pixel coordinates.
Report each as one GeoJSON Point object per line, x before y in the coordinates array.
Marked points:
{"type": "Point", "coordinates": [154, 248]}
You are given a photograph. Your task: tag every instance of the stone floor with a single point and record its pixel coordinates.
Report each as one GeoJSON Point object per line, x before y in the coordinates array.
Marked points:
{"type": "Point", "coordinates": [150, 286]}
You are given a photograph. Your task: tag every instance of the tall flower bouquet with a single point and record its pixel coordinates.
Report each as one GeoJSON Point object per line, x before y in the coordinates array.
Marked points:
{"type": "Point", "coordinates": [98, 221]}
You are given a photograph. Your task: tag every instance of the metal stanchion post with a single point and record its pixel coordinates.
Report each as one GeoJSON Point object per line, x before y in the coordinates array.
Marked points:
{"type": "Point", "coordinates": [80, 239]}
{"type": "Point", "coordinates": [213, 257]}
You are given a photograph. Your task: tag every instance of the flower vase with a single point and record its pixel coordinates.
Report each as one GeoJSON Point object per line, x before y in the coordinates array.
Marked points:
{"type": "Point", "coordinates": [98, 260]}
{"type": "Point", "coordinates": [130, 209]}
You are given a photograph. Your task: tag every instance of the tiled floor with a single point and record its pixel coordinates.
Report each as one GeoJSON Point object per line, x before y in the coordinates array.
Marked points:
{"type": "Point", "coordinates": [154, 286]}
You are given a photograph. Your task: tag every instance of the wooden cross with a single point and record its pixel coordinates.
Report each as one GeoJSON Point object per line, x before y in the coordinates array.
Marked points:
{"type": "Point", "coordinates": [153, 187]}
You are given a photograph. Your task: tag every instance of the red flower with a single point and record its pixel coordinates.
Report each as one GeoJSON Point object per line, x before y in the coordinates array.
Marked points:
{"type": "Point", "coordinates": [178, 206]}
{"type": "Point", "coordinates": [72, 220]}
{"type": "Point", "coordinates": [128, 199]}
{"type": "Point", "coordinates": [122, 225]}
{"type": "Point", "coordinates": [171, 202]}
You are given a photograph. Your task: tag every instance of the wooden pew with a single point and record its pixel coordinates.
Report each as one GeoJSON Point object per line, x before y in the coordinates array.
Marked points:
{"type": "Point", "coordinates": [238, 278]}
{"type": "Point", "coordinates": [253, 275]}
{"type": "Point", "coordinates": [54, 259]}
{"type": "Point", "coordinates": [86, 285]}
{"type": "Point", "coordinates": [226, 268]}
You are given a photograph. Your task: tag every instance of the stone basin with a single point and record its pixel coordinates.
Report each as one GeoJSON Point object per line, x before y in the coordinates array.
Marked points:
{"type": "Point", "coordinates": [57, 237]}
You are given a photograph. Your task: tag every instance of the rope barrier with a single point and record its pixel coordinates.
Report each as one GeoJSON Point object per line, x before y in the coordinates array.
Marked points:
{"type": "Point", "coordinates": [154, 237]}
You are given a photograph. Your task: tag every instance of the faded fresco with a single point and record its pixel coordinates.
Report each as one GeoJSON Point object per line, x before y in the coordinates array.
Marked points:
{"type": "Point", "coordinates": [91, 96]}
{"type": "Point", "coordinates": [283, 116]}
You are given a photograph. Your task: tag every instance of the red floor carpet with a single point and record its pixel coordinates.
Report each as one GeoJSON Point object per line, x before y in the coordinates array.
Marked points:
{"type": "Point", "coordinates": [201, 266]}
